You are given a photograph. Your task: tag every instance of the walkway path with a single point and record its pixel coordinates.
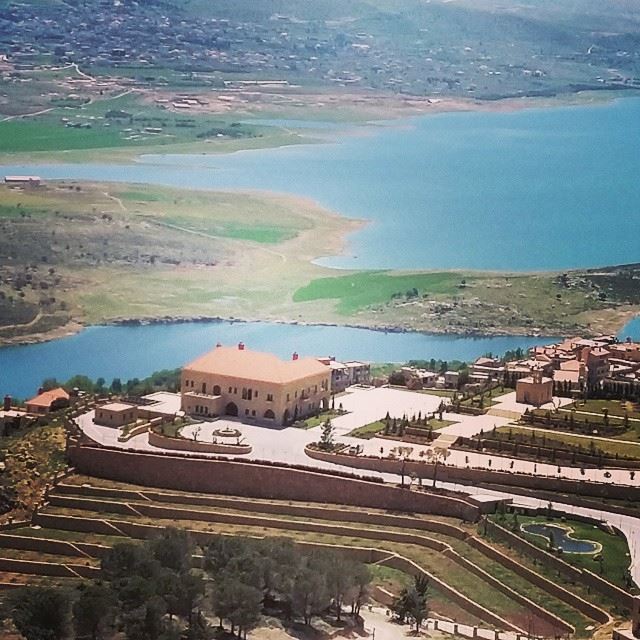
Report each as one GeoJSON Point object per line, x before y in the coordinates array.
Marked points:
{"type": "Point", "coordinates": [379, 626]}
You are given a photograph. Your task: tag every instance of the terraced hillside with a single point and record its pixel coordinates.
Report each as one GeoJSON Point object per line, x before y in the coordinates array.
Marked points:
{"type": "Point", "coordinates": [472, 582]}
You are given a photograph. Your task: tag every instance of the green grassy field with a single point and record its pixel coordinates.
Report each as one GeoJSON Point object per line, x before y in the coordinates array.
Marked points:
{"type": "Point", "coordinates": [125, 126]}
{"type": "Point", "coordinates": [618, 408]}
{"type": "Point", "coordinates": [360, 290]}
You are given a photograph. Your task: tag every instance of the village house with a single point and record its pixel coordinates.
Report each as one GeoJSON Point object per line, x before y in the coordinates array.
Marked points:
{"type": "Point", "coordinates": [487, 369]}
{"type": "Point", "coordinates": [239, 382]}
{"type": "Point", "coordinates": [535, 389]}
{"type": "Point", "coordinates": [47, 401]}
{"type": "Point", "coordinates": [116, 414]}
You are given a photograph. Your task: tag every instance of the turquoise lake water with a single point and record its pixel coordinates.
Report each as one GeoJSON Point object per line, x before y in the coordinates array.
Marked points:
{"type": "Point", "coordinates": [533, 189]}
{"type": "Point", "coordinates": [136, 351]}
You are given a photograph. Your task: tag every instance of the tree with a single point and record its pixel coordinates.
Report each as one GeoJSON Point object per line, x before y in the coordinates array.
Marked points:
{"type": "Point", "coordinates": [146, 622]}
{"type": "Point", "coordinates": [116, 386]}
{"type": "Point", "coordinates": [246, 612]}
{"type": "Point", "coordinates": [310, 595]}
{"type": "Point", "coordinates": [127, 559]}
{"type": "Point", "coordinates": [435, 456]}
{"type": "Point", "coordinates": [94, 612]}
{"type": "Point", "coordinates": [339, 580]}
{"type": "Point", "coordinates": [84, 383]}
{"type": "Point", "coordinates": [326, 438]}
{"type": "Point", "coordinates": [412, 602]}
{"type": "Point", "coordinates": [361, 582]}
{"type": "Point", "coordinates": [237, 602]}
{"type": "Point", "coordinates": [41, 613]}
{"type": "Point", "coordinates": [181, 592]}
{"type": "Point", "coordinates": [49, 383]}
{"type": "Point", "coordinates": [173, 549]}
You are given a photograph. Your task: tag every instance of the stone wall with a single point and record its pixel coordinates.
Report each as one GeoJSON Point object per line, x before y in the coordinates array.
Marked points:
{"type": "Point", "coordinates": [257, 481]}
{"type": "Point", "coordinates": [184, 444]}
{"type": "Point", "coordinates": [328, 512]}
{"type": "Point", "coordinates": [53, 569]}
{"type": "Point", "coordinates": [547, 616]}
{"type": "Point", "coordinates": [411, 568]}
{"type": "Point", "coordinates": [463, 475]}
{"type": "Point", "coordinates": [54, 547]}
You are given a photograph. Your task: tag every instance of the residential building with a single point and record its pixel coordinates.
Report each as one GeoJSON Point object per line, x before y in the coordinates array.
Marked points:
{"type": "Point", "coordinates": [116, 414]}
{"type": "Point", "coordinates": [596, 360]}
{"type": "Point", "coordinates": [239, 382]}
{"type": "Point", "coordinates": [47, 401]}
{"type": "Point", "coordinates": [535, 389]}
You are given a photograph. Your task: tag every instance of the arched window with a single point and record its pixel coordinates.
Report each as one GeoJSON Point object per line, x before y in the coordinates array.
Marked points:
{"type": "Point", "coordinates": [269, 415]}
{"type": "Point", "coordinates": [216, 390]}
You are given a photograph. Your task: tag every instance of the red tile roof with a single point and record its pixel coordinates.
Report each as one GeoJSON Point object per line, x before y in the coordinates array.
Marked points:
{"type": "Point", "coordinates": [255, 365]}
{"type": "Point", "coordinates": [46, 398]}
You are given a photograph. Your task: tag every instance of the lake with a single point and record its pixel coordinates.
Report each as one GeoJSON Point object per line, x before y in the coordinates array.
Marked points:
{"type": "Point", "coordinates": [137, 351]}
{"type": "Point", "coordinates": [527, 190]}
{"type": "Point", "coordinates": [533, 189]}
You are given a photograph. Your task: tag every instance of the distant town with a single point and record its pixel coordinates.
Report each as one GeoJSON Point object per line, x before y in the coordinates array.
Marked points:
{"type": "Point", "coordinates": [369, 49]}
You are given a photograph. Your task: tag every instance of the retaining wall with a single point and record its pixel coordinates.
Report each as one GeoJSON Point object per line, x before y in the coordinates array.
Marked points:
{"type": "Point", "coordinates": [176, 513]}
{"type": "Point", "coordinates": [258, 481]}
{"type": "Point", "coordinates": [556, 622]}
{"type": "Point", "coordinates": [403, 564]}
{"type": "Point", "coordinates": [463, 475]}
{"type": "Point", "coordinates": [169, 513]}
{"type": "Point", "coordinates": [54, 547]}
{"type": "Point", "coordinates": [53, 569]}
{"type": "Point", "coordinates": [184, 444]}
{"type": "Point", "coordinates": [307, 511]}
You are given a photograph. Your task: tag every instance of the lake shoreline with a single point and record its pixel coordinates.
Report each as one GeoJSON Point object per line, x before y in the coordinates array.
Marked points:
{"type": "Point", "coordinates": [390, 108]}
{"type": "Point", "coordinates": [75, 327]}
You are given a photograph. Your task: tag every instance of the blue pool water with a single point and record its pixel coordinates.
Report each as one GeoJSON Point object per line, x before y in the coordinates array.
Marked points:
{"type": "Point", "coordinates": [561, 538]}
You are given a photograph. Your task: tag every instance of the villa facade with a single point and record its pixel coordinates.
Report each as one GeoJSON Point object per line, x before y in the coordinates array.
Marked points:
{"type": "Point", "coordinates": [238, 382]}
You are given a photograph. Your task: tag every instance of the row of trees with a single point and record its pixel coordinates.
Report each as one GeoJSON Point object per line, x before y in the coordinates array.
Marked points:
{"type": "Point", "coordinates": [150, 590]}
{"type": "Point", "coordinates": [275, 575]}
{"type": "Point", "coordinates": [167, 379]}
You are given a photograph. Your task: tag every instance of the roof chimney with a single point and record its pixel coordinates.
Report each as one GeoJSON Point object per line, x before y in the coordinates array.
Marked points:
{"type": "Point", "coordinates": [218, 345]}
{"type": "Point", "coordinates": [7, 403]}
{"type": "Point", "coordinates": [241, 346]}
{"type": "Point", "coordinates": [295, 355]}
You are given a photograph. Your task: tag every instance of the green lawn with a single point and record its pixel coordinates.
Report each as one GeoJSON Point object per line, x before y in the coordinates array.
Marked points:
{"type": "Point", "coordinates": [315, 421]}
{"type": "Point", "coordinates": [615, 407]}
{"type": "Point", "coordinates": [35, 135]}
{"type": "Point", "coordinates": [368, 431]}
{"type": "Point", "coordinates": [97, 126]}
{"type": "Point", "coordinates": [360, 290]}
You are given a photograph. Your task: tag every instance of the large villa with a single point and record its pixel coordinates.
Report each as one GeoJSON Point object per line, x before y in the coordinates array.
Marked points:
{"type": "Point", "coordinates": [235, 381]}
